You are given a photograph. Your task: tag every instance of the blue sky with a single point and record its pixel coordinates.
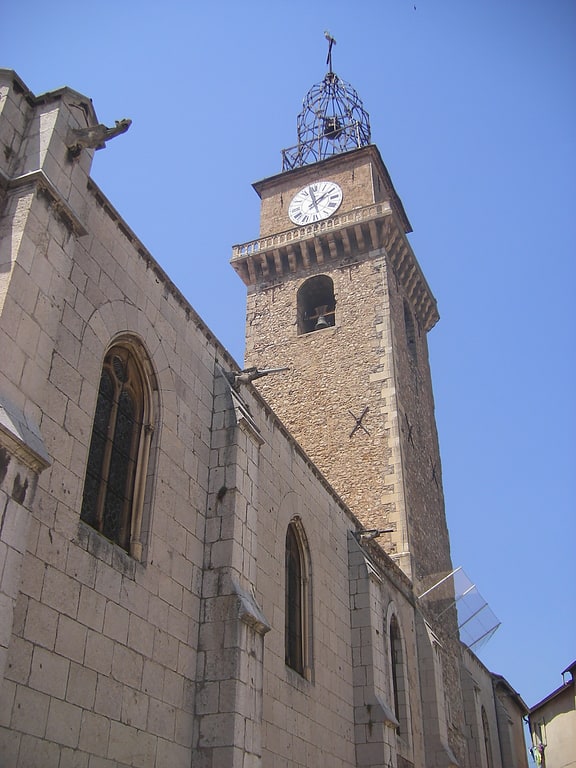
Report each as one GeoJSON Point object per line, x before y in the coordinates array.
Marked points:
{"type": "Point", "coordinates": [472, 106]}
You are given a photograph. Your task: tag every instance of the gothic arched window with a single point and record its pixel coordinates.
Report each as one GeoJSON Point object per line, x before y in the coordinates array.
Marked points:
{"type": "Point", "coordinates": [316, 304]}
{"type": "Point", "coordinates": [486, 734]}
{"type": "Point", "coordinates": [296, 617]}
{"type": "Point", "coordinates": [399, 681]}
{"type": "Point", "coordinates": [120, 446]}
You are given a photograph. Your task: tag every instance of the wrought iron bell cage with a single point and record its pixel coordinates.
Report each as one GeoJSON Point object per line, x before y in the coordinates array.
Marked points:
{"type": "Point", "coordinates": [333, 120]}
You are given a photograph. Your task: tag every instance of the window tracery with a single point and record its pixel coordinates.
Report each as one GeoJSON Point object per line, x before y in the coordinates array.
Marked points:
{"type": "Point", "coordinates": [122, 429]}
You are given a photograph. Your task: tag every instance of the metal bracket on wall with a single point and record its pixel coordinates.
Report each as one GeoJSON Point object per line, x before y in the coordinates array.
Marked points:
{"type": "Point", "coordinates": [358, 420]}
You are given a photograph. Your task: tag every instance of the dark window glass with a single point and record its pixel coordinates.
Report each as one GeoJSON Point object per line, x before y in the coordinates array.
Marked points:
{"type": "Point", "coordinates": [113, 454]}
{"type": "Point", "coordinates": [410, 327]}
{"type": "Point", "coordinates": [487, 744]}
{"type": "Point", "coordinates": [396, 654]}
{"type": "Point", "coordinates": [399, 680]}
{"type": "Point", "coordinates": [294, 617]}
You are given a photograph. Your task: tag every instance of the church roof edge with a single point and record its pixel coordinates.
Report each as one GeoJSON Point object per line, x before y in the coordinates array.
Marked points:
{"type": "Point", "coordinates": [44, 98]}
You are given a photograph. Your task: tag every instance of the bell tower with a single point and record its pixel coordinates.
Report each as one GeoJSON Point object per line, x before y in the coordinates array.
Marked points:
{"type": "Point", "coordinates": [335, 293]}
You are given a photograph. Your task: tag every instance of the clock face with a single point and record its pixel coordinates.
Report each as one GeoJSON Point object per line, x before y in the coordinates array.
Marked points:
{"type": "Point", "coordinates": [315, 202]}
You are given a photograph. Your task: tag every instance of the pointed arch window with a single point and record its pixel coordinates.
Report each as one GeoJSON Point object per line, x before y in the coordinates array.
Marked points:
{"type": "Point", "coordinates": [316, 304]}
{"type": "Point", "coordinates": [116, 471]}
{"type": "Point", "coordinates": [296, 634]}
{"type": "Point", "coordinates": [399, 679]}
{"type": "Point", "coordinates": [487, 742]}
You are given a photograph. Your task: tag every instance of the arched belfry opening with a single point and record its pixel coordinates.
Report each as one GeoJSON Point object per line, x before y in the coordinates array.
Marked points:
{"type": "Point", "coordinates": [316, 304]}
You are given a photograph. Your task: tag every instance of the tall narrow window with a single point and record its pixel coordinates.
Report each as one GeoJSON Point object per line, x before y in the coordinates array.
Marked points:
{"type": "Point", "coordinates": [399, 682]}
{"type": "Point", "coordinates": [487, 744]}
{"type": "Point", "coordinates": [119, 449]}
{"type": "Point", "coordinates": [410, 327]}
{"type": "Point", "coordinates": [296, 641]}
{"type": "Point", "coordinates": [316, 304]}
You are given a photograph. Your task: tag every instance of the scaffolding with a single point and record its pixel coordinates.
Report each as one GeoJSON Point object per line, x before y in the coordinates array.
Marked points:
{"type": "Point", "coordinates": [476, 620]}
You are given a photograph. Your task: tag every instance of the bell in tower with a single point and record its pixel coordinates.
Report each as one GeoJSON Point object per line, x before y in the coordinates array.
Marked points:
{"type": "Point", "coordinates": [332, 120]}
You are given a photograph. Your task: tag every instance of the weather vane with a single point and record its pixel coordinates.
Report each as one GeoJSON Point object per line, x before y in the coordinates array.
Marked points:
{"type": "Point", "coordinates": [331, 42]}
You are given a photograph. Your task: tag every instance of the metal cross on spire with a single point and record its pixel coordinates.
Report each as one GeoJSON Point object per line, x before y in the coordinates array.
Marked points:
{"type": "Point", "coordinates": [331, 42]}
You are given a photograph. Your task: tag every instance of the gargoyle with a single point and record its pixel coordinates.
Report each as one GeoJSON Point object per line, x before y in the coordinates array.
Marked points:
{"type": "Point", "coordinates": [94, 137]}
{"type": "Point", "coordinates": [248, 375]}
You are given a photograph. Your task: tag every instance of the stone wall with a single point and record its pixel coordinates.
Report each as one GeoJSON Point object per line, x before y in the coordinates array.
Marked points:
{"type": "Point", "coordinates": [334, 374]}
{"type": "Point", "coordinates": [102, 653]}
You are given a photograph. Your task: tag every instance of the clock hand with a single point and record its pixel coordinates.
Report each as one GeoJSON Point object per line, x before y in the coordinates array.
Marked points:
{"type": "Point", "coordinates": [328, 191]}
{"type": "Point", "coordinates": [314, 201]}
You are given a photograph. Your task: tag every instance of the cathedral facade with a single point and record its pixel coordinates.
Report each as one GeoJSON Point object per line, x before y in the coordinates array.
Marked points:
{"type": "Point", "coordinates": [203, 565]}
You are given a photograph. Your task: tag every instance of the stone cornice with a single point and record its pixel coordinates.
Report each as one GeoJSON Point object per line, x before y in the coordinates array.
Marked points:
{"type": "Point", "coordinates": [38, 180]}
{"type": "Point", "coordinates": [345, 238]}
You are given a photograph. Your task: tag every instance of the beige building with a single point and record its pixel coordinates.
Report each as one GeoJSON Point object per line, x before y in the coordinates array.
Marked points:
{"type": "Point", "coordinates": [194, 570]}
{"type": "Point", "coordinates": [552, 724]}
